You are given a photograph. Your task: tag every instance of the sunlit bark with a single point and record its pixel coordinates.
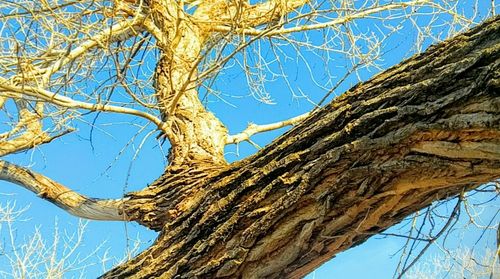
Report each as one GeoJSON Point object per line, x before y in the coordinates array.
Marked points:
{"type": "Point", "coordinates": [425, 130]}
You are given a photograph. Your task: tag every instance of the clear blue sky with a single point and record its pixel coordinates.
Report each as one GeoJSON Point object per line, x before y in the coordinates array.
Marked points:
{"type": "Point", "coordinates": [106, 169]}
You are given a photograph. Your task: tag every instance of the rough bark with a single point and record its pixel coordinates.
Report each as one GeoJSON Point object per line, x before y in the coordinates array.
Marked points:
{"type": "Point", "coordinates": [197, 137]}
{"type": "Point", "coordinates": [424, 130]}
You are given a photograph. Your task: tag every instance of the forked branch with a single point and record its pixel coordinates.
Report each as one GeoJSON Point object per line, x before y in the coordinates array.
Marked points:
{"type": "Point", "coordinates": [118, 32]}
{"type": "Point", "coordinates": [28, 132]}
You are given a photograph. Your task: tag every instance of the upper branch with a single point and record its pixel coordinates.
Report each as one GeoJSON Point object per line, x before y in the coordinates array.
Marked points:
{"type": "Point", "coordinates": [28, 132]}
{"type": "Point", "coordinates": [269, 11]}
{"type": "Point", "coordinates": [118, 32]}
{"type": "Point", "coordinates": [224, 16]}
{"type": "Point", "coordinates": [278, 30]}
{"type": "Point", "coordinates": [52, 58]}
{"type": "Point", "coordinates": [10, 90]}
{"type": "Point", "coordinates": [61, 196]}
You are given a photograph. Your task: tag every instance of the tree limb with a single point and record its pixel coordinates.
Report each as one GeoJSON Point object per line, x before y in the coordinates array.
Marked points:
{"type": "Point", "coordinates": [72, 202]}
{"type": "Point", "coordinates": [63, 101]}
{"type": "Point", "coordinates": [28, 131]}
{"type": "Point", "coordinates": [341, 20]}
{"type": "Point", "coordinates": [27, 140]}
{"type": "Point", "coordinates": [253, 129]}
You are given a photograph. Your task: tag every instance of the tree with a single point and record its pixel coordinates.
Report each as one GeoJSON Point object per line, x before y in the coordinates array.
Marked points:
{"type": "Point", "coordinates": [461, 263]}
{"type": "Point", "coordinates": [424, 130]}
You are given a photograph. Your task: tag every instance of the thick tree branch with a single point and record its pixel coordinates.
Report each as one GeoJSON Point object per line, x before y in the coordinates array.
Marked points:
{"type": "Point", "coordinates": [196, 135]}
{"type": "Point", "coordinates": [240, 16]}
{"type": "Point", "coordinates": [425, 130]}
{"type": "Point", "coordinates": [61, 196]}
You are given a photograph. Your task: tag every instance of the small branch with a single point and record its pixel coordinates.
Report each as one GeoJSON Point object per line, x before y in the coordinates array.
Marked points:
{"type": "Point", "coordinates": [406, 236]}
{"type": "Point", "coordinates": [118, 32]}
{"type": "Point", "coordinates": [253, 129]}
{"type": "Point", "coordinates": [453, 217]}
{"type": "Point", "coordinates": [72, 202]}
{"type": "Point", "coordinates": [150, 26]}
{"type": "Point", "coordinates": [28, 140]}
{"type": "Point", "coordinates": [67, 102]}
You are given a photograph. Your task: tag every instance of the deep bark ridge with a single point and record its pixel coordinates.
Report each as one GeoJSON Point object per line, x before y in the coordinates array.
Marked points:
{"type": "Point", "coordinates": [424, 130]}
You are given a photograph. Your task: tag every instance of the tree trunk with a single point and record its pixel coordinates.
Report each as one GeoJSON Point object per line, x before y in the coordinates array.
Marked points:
{"type": "Point", "coordinates": [424, 130]}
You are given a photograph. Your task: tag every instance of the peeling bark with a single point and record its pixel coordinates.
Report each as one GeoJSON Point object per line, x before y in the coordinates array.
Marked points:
{"type": "Point", "coordinates": [424, 130]}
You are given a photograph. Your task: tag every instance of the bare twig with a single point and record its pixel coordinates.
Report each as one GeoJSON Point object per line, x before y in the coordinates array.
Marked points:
{"type": "Point", "coordinates": [451, 219]}
{"type": "Point", "coordinates": [253, 129]}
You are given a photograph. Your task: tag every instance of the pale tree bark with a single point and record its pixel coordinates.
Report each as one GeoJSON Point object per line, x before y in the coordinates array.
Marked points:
{"type": "Point", "coordinates": [195, 134]}
{"type": "Point", "coordinates": [425, 130]}
{"type": "Point", "coordinates": [74, 203]}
